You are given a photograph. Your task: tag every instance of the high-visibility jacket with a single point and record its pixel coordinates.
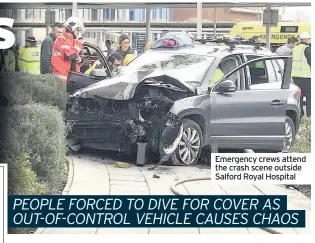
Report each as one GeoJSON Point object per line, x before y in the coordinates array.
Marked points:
{"type": "Point", "coordinates": [92, 67]}
{"type": "Point", "coordinates": [129, 58]}
{"type": "Point", "coordinates": [29, 60]}
{"type": "Point", "coordinates": [216, 76]}
{"type": "Point", "coordinates": [63, 49]}
{"type": "Point", "coordinates": [300, 67]}
{"type": "Point", "coordinates": [9, 60]}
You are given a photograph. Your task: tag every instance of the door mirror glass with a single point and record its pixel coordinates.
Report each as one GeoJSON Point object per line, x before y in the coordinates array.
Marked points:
{"type": "Point", "coordinates": [226, 86]}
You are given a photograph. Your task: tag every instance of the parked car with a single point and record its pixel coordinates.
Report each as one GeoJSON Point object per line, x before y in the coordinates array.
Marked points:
{"type": "Point", "coordinates": [162, 98]}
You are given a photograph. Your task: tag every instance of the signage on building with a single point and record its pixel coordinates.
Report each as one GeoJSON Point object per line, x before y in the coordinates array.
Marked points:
{"type": "Point", "coordinates": [141, 41]}
{"type": "Point", "coordinates": [270, 17]}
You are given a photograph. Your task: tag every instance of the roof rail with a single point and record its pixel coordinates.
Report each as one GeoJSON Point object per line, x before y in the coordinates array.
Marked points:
{"type": "Point", "coordinates": [231, 42]}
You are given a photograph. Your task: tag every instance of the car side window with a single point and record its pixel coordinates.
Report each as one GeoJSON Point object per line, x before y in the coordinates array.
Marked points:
{"type": "Point", "coordinates": [258, 71]}
{"type": "Point", "coordinates": [227, 65]}
{"type": "Point", "coordinates": [279, 68]}
{"type": "Point", "coordinates": [262, 75]}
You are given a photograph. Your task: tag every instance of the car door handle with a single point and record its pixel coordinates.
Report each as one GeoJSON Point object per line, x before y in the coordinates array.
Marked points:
{"type": "Point", "coordinates": [276, 103]}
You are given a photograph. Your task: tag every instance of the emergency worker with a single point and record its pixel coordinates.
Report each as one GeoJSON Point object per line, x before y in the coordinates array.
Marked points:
{"type": "Point", "coordinates": [29, 57]}
{"type": "Point", "coordinates": [286, 50]}
{"type": "Point", "coordinates": [114, 62]}
{"type": "Point", "coordinates": [147, 46]}
{"type": "Point", "coordinates": [67, 48]}
{"type": "Point", "coordinates": [216, 76]}
{"type": "Point", "coordinates": [9, 57]}
{"type": "Point", "coordinates": [301, 69]}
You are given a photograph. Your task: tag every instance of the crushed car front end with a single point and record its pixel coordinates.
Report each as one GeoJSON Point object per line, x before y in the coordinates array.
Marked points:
{"type": "Point", "coordinates": [103, 119]}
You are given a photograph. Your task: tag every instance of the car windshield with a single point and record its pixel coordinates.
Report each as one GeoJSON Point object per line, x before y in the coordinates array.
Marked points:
{"type": "Point", "coordinates": [188, 68]}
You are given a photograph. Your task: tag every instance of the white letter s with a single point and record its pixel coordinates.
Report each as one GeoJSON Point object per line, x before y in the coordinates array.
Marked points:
{"type": "Point", "coordinates": [8, 36]}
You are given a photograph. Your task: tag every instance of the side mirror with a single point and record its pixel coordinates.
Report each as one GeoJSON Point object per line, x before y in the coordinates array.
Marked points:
{"type": "Point", "coordinates": [226, 86]}
{"type": "Point", "coordinates": [98, 74]}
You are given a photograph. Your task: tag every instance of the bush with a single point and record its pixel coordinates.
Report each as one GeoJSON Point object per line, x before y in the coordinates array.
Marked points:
{"type": "Point", "coordinates": [303, 139]}
{"type": "Point", "coordinates": [39, 131]}
{"type": "Point", "coordinates": [22, 88]}
{"type": "Point", "coordinates": [22, 179]}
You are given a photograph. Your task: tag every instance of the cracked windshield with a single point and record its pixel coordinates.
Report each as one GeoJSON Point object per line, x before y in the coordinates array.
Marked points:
{"type": "Point", "coordinates": [187, 68]}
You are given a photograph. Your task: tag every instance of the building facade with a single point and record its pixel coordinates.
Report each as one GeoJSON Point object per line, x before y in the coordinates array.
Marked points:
{"type": "Point", "coordinates": [222, 14]}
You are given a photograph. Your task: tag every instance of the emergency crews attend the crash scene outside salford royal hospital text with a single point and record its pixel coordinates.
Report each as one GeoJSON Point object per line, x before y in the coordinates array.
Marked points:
{"type": "Point", "coordinates": [62, 51]}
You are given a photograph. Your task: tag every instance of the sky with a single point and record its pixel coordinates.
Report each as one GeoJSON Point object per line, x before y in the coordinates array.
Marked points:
{"type": "Point", "coordinates": [298, 13]}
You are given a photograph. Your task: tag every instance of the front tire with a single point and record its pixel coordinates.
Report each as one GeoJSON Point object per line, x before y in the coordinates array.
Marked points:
{"type": "Point", "coordinates": [190, 146]}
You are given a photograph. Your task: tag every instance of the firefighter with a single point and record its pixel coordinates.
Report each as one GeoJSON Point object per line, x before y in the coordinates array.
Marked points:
{"type": "Point", "coordinates": [301, 69]}
{"type": "Point", "coordinates": [66, 49]}
{"type": "Point", "coordinates": [29, 57]}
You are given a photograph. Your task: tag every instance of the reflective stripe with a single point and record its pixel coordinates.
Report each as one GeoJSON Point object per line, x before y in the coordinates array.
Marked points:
{"type": "Point", "coordinates": [23, 60]}
{"type": "Point", "coordinates": [66, 47]}
{"type": "Point", "coordinates": [56, 54]}
{"type": "Point", "coordinates": [77, 48]}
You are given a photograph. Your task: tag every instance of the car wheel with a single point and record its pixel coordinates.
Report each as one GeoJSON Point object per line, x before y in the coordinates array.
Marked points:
{"type": "Point", "coordinates": [289, 134]}
{"type": "Point", "coordinates": [190, 146]}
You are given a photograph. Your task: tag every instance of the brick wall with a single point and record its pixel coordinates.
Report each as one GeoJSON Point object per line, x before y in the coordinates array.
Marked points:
{"type": "Point", "coordinates": [223, 15]}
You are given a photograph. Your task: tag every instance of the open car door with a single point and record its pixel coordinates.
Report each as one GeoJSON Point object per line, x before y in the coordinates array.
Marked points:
{"type": "Point", "coordinates": [77, 81]}
{"type": "Point", "coordinates": [250, 118]}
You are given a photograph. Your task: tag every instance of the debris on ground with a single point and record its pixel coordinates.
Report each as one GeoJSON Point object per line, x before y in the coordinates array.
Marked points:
{"type": "Point", "coordinates": [305, 190]}
{"type": "Point", "coordinates": [122, 165]}
{"type": "Point", "coordinates": [156, 176]}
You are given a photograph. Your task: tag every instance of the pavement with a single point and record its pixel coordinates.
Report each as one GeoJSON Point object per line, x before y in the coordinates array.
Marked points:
{"type": "Point", "coordinates": [95, 174]}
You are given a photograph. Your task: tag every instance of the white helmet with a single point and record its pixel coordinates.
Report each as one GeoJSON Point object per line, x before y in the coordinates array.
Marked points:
{"type": "Point", "coordinates": [74, 23]}
{"type": "Point", "coordinates": [305, 35]}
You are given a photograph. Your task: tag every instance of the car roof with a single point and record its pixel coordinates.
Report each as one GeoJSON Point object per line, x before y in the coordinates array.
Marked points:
{"type": "Point", "coordinates": [214, 50]}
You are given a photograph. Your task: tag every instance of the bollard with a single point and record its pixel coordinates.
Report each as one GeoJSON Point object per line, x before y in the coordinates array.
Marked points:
{"type": "Point", "coordinates": [141, 159]}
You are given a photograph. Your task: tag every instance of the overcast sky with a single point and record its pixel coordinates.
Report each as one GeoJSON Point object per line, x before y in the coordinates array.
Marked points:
{"type": "Point", "coordinates": [298, 13]}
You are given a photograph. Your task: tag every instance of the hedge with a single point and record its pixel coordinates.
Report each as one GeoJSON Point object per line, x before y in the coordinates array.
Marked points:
{"type": "Point", "coordinates": [303, 139]}
{"type": "Point", "coordinates": [22, 88]}
{"type": "Point", "coordinates": [36, 131]}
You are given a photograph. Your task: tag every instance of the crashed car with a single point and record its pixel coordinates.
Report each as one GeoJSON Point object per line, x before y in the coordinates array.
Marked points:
{"type": "Point", "coordinates": [162, 99]}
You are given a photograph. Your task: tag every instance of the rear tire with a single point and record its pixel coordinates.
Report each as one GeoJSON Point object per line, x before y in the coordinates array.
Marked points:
{"type": "Point", "coordinates": [290, 133]}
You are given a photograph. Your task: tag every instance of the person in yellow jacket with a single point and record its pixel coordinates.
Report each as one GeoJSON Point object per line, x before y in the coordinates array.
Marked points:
{"type": "Point", "coordinates": [29, 57]}
{"type": "Point", "coordinates": [301, 69]}
{"type": "Point", "coordinates": [216, 76]}
{"type": "Point", "coordinates": [10, 59]}
{"type": "Point", "coordinates": [148, 46]}
{"type": "Point", "coordinates": [128, 59]}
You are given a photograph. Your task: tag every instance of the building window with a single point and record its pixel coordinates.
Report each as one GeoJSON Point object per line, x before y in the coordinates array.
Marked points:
{"type": "Point", "coordinates": [154, 14]}
{"type": "Point", "coordinates": [131, 15]}
{"type": "Point", "coordinates": [19, 14]}
{"type": "Point", "coordinates": [29, 14]}
{"type": "Point", "coordinates": [94, 15]}
{"type": "Point", "coordinates": [9, 13]}
{"type": "Point", "coordinates": [2, 12]}
{"type": "Point", "coordinates": [37, 14]}
{"type": "Point", "coordinates": [106, 14]}
{"type": "Point", "coordinates": [112, 14]}
{"type": "Point", "coordinates": [68, 13]}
